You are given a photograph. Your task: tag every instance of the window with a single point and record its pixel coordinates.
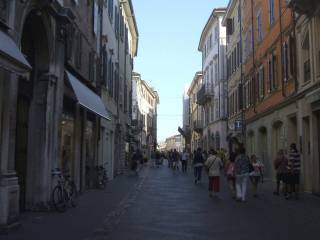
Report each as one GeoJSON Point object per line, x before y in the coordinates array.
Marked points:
{"type": "Point", "coordinates": [92, 67]}
{"type": "Point", "coordinates": [306, 57]}
{"type": "Point", "coordinates": [105, 67]}
{"type": "Point", "coordinates": [216, 33]}
{"type": "Point", "coordinates": [78, 53]}
{"type": "Point", "coordinates": [260, 83]}
{"type": "Point", "coordinates": [286, 62]}
{"type": "Point", "coordinates": [259, 27]}
{"type": "Point", "coordinates": [95, 18]}
{"type": "Point", "coordinates": [272, 68]}
{"type": "Point", "coordinates": [110, 10]}
{"type": "Point", "coordinates": [271, 12]}
{"type": "Point", "coordinates": [116, 21]}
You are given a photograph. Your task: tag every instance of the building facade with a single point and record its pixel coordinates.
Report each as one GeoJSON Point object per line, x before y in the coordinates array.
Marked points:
{"type": "Point", "coordinates": [269, 78]}
{"type": "Point", "coordinates": [305, 110]}
{"type": "Point", "coordinates": [212, 96]}
{"type": "Point", "coordinates": [53, 109]}
{"type": "Point", "coordinates": [144, 115]}
{"type": "Point", "coordinates": [232, 22]}
{"type": "Point", "coordinates": [196, 113]}
{"type": "Point", "coordinates": [175, 142]}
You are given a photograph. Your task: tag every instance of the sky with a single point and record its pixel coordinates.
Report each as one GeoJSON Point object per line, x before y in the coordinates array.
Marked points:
{"type": "Point", "coordinates": [168, 56]}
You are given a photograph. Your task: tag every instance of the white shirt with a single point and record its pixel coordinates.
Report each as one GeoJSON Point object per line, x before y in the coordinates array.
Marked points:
{"type": "Point", "coordinates": [185, 156]}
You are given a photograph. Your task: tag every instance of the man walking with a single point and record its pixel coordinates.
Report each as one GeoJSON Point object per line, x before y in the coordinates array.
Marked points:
{"type": "Point", "coordinates": [294, 166]}
{"type": "Point", "coordinates": [184, 160]}
{"type": "Point", "coordinates": [242, 174]}
{"type": "Point", "coordinates": [198, 163]}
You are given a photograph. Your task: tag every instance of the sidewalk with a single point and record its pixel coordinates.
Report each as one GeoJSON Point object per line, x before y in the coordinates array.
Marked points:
{"type": "Point", "coordinates": [80, 222]}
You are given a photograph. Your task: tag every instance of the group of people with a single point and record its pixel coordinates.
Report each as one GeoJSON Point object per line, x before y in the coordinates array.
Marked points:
{"type": "Point", "coordinates": [175, 158]}
{"type": "Point", "coordinates": [287, 166]}
{"type": "Point", "coordinates": [238, 169]}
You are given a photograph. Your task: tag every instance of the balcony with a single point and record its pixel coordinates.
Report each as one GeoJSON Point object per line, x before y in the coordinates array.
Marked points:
{"type": "Point", "coordinates": [205, 93]}
{"type": "Point", "coordinates": [197, 126]}
{"type": "Point", "coordinates": [308, 7]}
{"type": "Point", "coordinates": [137, 126]}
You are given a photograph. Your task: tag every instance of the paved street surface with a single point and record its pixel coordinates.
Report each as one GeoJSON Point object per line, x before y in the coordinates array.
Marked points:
{"type": "Point", "coordinates": [164, 205]}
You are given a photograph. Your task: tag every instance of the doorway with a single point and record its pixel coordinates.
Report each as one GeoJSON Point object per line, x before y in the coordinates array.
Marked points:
{"type": "Point", "coordinates": [34, 46]}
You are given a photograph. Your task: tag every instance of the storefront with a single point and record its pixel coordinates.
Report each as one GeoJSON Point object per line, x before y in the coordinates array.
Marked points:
{"type": "Point", "coordinates": [82, 109]}
{"type": "Point", "coordinates": [13, 65]}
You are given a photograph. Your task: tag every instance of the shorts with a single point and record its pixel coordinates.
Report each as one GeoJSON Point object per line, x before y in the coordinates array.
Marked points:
{"type": "Point", "coordinates": [281, 177]}
{"type": "Point", "coordinates": [214, 184]}
{"type": "Point", "coordinates": [294, 179]}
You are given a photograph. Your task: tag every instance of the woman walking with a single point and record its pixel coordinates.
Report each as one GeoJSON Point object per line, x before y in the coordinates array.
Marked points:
{"type": "Point", "coordinates": [281, 166]}
{"type": "Point", "coordinates": [256, 174]}
{"type": "Point", "coordinates": [231, 175]}
{"type": "Point", "coordinates": [213, 166]}
{"type": "Point", "coordinates": [242, 174]}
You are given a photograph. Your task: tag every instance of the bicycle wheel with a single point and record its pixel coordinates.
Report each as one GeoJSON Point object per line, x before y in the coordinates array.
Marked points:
{"type": "Point", "coordinates": [58, 198]}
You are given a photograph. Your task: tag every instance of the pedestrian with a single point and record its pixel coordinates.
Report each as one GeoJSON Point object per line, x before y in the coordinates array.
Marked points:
{"type": "Point", "coordinates": [213, 166]}
{"type": "Point", "coordinates": [175, 159]}
{"type": "Point", "coordinates": [136, 158]}
{"type": "Point", "coordinates": [294, 165]}
{"type": "Point", "coordinates": [184, 160]}
{"type": "Point", "coordinates": [280, 165]}
{"type": "Point", "coordinates": [242, 174]}
{"type": "Point", "coordinates": [170, 159]}
{"type": "Point", "coordinates": [231, 175]}
{"type": "Point", "coordinates": [256, 175]}
{"type": "Point", "coordinates": [198, 164]}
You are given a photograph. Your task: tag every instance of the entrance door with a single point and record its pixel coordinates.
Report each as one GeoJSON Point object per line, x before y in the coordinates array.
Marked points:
{"type": "Point", "coordinates": [21, 151]}
{"type": "Point", "coordinates": [306, 152]}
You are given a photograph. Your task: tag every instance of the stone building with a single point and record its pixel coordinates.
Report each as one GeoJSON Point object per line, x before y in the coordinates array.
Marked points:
{"type": "Point", "coordinates": [269, 78]}
{"type": "Point", "coordinates": [144, 114]}
{"type": "Point", "coordinates": [303, 117]}
{"type": "Point", "coordinates": [232, 22]}
{"type": "Point", "coordinates": [51, 80]}
{"type": "Point", "coordinates": [119, 47]}
{"type": "Point", "coordinates": [196, 112]}
{"type": "Point", "coordinates": [212, 96]}
{"type": "Point", "coordinates": [175, 142]}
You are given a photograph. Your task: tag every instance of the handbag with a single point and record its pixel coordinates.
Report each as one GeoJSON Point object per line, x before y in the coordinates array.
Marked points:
{"type": "Point", "coordinates": [208, 168]}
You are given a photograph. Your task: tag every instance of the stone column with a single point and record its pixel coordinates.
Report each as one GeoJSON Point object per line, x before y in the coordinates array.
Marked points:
{"type": "Point", "coordinates": [9, 187]}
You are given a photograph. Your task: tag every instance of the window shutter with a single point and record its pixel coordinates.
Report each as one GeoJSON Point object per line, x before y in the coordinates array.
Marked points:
{"type": "Point", "coordinates": [229, 26]}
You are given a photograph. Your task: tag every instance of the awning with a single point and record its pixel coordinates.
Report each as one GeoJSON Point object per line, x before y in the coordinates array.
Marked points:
{"type": "Point", "coordinates": [87, 98]}
{"type": "Point", "coordinates": [11, 58]}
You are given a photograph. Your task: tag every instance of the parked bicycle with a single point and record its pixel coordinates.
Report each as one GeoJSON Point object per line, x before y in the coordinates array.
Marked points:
{"type": "Point", "coordinates": [102, 177]}
{"type": "Point", "coordinates": [65, 193]}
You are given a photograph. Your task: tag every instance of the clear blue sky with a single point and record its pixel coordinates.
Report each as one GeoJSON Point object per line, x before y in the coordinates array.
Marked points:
{"type": "Point", "coordinates": [168, 54]}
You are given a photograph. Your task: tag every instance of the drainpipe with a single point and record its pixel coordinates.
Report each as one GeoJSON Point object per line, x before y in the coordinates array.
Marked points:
{"type": "Point", "coordinates": [253, 60]}
{"type": "Point", "coordinates": [281, 50]}
{"type": "Point", "coordinates": [243, 127]}
{"type": "Point", "coordinates": [294, 55]}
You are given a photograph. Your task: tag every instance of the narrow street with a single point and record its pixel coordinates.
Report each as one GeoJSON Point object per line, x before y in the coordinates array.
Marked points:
{"type": "Point", "coordinates": [161, 204]}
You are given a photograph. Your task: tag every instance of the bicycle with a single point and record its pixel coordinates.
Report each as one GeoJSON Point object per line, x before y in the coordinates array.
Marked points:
{"type": "Point", "coordinates": [64, 194]}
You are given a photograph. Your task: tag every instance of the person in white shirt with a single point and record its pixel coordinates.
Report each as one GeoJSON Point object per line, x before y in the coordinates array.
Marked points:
{"type": "Point", "coordinates": [213, 166]}
{"type": "Point", "coordinates": [184, 160]}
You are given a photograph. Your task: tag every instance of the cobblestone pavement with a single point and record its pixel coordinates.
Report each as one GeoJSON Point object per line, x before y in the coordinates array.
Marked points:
{"type": "Point", "coordinates": [161, 204]}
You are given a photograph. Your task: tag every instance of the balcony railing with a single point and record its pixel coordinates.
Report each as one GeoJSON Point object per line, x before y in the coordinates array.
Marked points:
{"type": "Point", "coordinates": [198, 126]}
{"type": "Point", "coordinates": [205, 93]}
